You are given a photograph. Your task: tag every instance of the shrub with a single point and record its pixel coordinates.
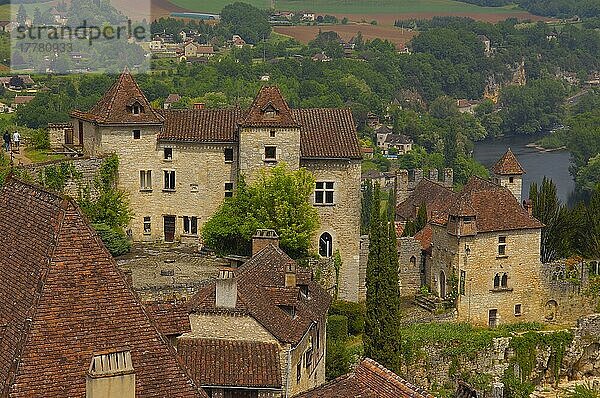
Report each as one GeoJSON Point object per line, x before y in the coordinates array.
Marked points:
{"type": "Point", "coordinates": [337, 328]}
{"type": "Point", "coordinates": [355, 312]}
{"type": "Point", "coordinates": [115, 240]}
{"type": "Point", "coordinates": [338, 359]}
{"type": "Point", "coordinates": [37, 138]}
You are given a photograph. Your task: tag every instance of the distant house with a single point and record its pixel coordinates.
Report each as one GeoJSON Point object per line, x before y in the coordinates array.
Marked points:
{"type": "Point", "coordinates": [9, 81]}
{"type": "Point", "coordinates": [308, 17]}
{"type": "Point", "coordinates": [171, 99]}
{"type": "Point", "coordinates": [466, 106]}
{"type": "Point", "coordinates": [321, 57]}
{"type": "Point", "coordinates": [372, 120]}
{"type": "Point", "coordinates": [3, 25]}
{"type": "Point", "coordinates": [237, 41]}
{"type": "Point", "coordinates": [194, 50]}
{"type": "Point", "coordinates": [22, 100]}
{"type": "Point", "coordinates": [367, 152]}
{"type": "Point", "coordinates": [382, 132]}
{"type": "Point", "coordinates": [369, 380]}
{"type": "Point", "coordinates": [487, 43]}
{"type": "Point", "coordinates": [401, 143]}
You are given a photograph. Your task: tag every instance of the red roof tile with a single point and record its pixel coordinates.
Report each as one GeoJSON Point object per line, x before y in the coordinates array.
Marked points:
{"type": "Point", "coordinates": [269, 99]}
{"type": "Point", "coordinates": [508, 165]}
{"type": "Point", "coordinates": [424, 237]}
{"type": "Point", "coordinates": [115, 106]}
{"type": "Point", "coordinates": [63, 300]}
{"type": "Point", "coordinates": [170, 318]}
{"type": "Point", "coordinates": [231, 363]}
{"type": "Point", "coordinates": [261, 291]}
{"type": "Point", "coordinates": [201, 125]}
{"type": "Point", "coordinates": [327, 133]}
{"type": "Point", "coordinates": [436, 197]}
{"type": "Point", "coordinates": [369, 380]}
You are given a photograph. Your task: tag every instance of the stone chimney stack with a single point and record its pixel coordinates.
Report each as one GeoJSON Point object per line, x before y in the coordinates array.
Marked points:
{"type": "Point", "coordinates": [226, 289]}
{"type": "Point", "coordinates": [290, 274]}
{"type": "Point", "coordinates": [262, 238]}
{"type": "Point", "coordinates": [111, 375]}
{"type": "Point", "coordinates": [528, 205]}
{"type": "Point", "coordinates": [199, 105]}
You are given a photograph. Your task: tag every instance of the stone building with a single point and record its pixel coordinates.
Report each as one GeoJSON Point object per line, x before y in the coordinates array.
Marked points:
{"type": "Point", "coordinates": [369, 379]}
{"type": "Point", "coordinates": [70, 326]}
{"type": "Point", "coordinates": [263, 324]}
{"type": "Point", "coordinates": [179, 165]}
{"type": "Point", "coordinates": [484, 246]}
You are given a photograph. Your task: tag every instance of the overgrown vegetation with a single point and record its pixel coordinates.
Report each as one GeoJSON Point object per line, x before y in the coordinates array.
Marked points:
{"type": "Point", "coordinates": [345, 327]}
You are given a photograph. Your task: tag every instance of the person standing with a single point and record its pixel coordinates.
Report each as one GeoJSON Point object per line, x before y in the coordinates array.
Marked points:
{"type": "Point", "coordinates": [6, 138]}
{"type": "Point", "coordinates": [16, 139]}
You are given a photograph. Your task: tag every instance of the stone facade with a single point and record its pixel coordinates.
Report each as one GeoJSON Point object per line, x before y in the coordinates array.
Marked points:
{"type": "Point", "coordinates": [175, 211]}
{"type": "Point", "coordinates": [409, 266]}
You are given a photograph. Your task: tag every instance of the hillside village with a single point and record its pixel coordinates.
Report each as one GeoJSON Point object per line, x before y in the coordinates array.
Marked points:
{"type": "Point", "coordinates": [221, 210]}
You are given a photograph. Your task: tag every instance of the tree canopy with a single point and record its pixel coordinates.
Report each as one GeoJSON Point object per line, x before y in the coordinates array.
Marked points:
{"type": "Point", "coordinates": [279, 200]}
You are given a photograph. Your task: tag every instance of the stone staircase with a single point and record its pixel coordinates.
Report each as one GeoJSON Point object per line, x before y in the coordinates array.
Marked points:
{"type": "Point", "coordinates": [429, 303]}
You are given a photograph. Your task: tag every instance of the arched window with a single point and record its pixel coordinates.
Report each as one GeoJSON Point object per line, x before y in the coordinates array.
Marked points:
{"type": "Point", "coordinates": [325, 245]}
{"type": "Point", "coordinates": [497, 281]}
{"type": "Point", "coordinates": [413, 261]}
{"type": "Point", "coordinates": [504, 282]}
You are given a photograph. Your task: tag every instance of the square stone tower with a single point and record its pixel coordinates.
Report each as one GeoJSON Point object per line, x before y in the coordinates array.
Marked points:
{"type": "Point", "coordinates": [508, 173]}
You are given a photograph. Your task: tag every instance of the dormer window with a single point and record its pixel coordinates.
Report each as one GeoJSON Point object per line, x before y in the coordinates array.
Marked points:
{"type": "Point", "coordinates": [270, 111]}
{"type": "Point", "coordinates": [289, 309]}
{"type": "Point", "coordinates": [136, 109]}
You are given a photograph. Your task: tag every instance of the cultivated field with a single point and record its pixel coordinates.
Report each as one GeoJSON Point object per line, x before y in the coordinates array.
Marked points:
{"type": "Point", "coordinates": [304, 34]}
{"type": "Point", "coordinates": [386, 10]}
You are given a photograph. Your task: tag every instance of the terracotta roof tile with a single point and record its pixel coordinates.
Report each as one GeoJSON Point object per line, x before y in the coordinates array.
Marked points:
{"type": "Point", "coordinates": [201, 125]}
{"type": "Point", "coordinates": [369, 380]}
{"type": "Point", "coordinates": [327, 133]}
{"type": "Point", "coordinates": [115, 106]}
{"type": "Point", "coordinates": [170, 318]}
{"type": "Point", "coordinates": [508, 165]}
{"type": "Point", "coordinates": [269, 99]}
{"type": "Point", "coordinates": [261, 291]}
{"type": "Point", "coordinates": [64, 301]}
{"type": "Point", "coordinates": [231, 363]}
{"type": "Point", "coordinates": [424, 237]}
{"type": "Point", "coordinates": [436, 197]}
{"type": "Point", "coordinates": [172, 98]}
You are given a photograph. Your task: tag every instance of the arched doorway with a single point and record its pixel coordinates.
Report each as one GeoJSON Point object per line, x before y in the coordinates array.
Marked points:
{"type": "Point", "coordinates": [325, 245]}
{"type": "Point", "coordinates": [442, 284]}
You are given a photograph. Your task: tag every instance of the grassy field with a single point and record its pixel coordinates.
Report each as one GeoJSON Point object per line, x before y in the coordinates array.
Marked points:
{"type": "Point", "coordinates": [355, 7]}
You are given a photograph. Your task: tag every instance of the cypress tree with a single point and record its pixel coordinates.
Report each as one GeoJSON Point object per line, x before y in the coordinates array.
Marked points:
{"type": "Point", "coordinates": [382, 324]}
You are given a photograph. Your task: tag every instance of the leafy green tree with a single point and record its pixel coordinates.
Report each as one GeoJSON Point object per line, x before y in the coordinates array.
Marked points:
{"type": "Point", "coordinates": [382, 324]}
{"type": "Point", "coordinates": [279, 200]}
{"type": "Point", "coordinates": [557, 230]}
{"type": "Point", "coordinates": [247, 21]}
{"type": "Point", "coordinates": [588, 176]}
{"type": "Point", "coordinates": [587, 220]}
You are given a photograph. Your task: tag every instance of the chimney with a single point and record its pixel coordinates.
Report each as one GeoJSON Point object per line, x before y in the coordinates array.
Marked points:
{"type": "Point", "coordinates": [226, 289]}
{"type": "Point", "coordinates": [262, 238]}
{"type": "Point", "coordinates": [290, 274]}
{"type": "Point", "coordinates": [199, 105]}
{"type": "Point", "coordinates": [111, 375]}
{"type": "Point", "coordinates": [528, 205]}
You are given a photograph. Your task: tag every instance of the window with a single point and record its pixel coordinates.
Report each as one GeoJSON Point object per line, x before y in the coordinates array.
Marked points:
{"type": "Point", "coordinates": [463, 277]}
{"type": "Point", "coordinates": [272, 133]}
{"type": "Point", "coordinates": [147, 225]}
{"type": "Point", "coordinates": [502, 245]}
{"type": "Point", "coordinates": [497, 281]}
{"type": "Point", "coordinates": [169, 180]}
{"type": "Point", "coordinates": [136, 109]}
{"type": "Point", "coordinates": [168, 154]}
{"type": "Point", "coordinates": [517, 309]}
{"type": "Point", "coordinates": [298, 371]}
{"type": "Point", "coordinates": [190, 225]}
{"type": "Point", "coordinates": [324, 193]}
{"type": "Point", "coordinates": [270, 153]}
{"type": "Point", "coordinates": [228, 189]}
{"type": "Point", "coordinates": [318, 339]}
{"type": "Point", "coordinates": [325, 245]}
{"type": "Point", "coordinates": [137, 134]}
{"type": "Point", "coordinates": [145, 180]}
{"type": "Point", "coordinates": [511, 179]}
{"type": "Point", "coordinates": [504, 281]}
{"type": "Point", "coordinates": [308, 359]}
{"type": "Point", "coordinates": [194, 188]}
{"type": "Point", "coordinates": [413, 261]}
{"type": "Point", "coordinates": [228, 152]}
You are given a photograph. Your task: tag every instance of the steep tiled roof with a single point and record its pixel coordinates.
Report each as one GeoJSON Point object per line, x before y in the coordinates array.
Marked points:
{"type": "Point", "coordinates": [170, 318]}
{"type": "Point", "coordinates": [496, 208]}
{"type": "Point", "coordinates": [63, 300]}
{"type": "Point", "coordinates": [115, 106]}
{"type": "Point", "coordinates": [369, 380]}
{"type": "Point", "coordinates": [436, 197]}
{"type": "Point", "coordinates": [201, 125]}
{"type": "Point", "coordinates": [508, 165]}
{"type": "Point", "coordinates": [172, 98]}
{"type": "Point", "coordinates": [231, 363]}
{"type": "Point", "coordinates": [269, 98]}
{"type": "Point", "coordinates": [424, 237]}
{"type": "Point", "coordinates": [327, 133]}
{"type": "Point", "coordinates": [397, 139]}
{"type": "Point", "coordinates": [261, 291]}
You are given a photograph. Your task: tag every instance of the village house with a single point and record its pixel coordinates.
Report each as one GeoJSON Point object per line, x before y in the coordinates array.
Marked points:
{"type": "Point", "coordinates": [481, 245]}
{"type": "Point", "coordinates": [263, 325]}
{"type": "Point", "coordinates": [70, 326]}
{"type": "Point", "coordinates": [179, 165]}
{"type": "Point", "coordinates": [192, 49]}
{"type": "Point", "coordinates": [369, 380]}
{"type": "Point", "coordinates": [170, 100]}
{"type": "Point", "coordinates": [20, 100]}
{"type": "Point", "coordinates": [466, 106]}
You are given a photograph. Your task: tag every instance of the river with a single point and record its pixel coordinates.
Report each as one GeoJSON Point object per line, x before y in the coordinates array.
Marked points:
{"type": "Point", "coordinates": [554, 165]}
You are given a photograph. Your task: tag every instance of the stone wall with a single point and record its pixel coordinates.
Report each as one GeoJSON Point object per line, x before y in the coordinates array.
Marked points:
{"type": "Point", "coordinates": [341, 219]}
{"type": "Point", "coordinates": [409, 265]}
{"type": "Point", "coordinates": [407, 180]}
{"type": "Point", "coordinates": [86, 167]}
